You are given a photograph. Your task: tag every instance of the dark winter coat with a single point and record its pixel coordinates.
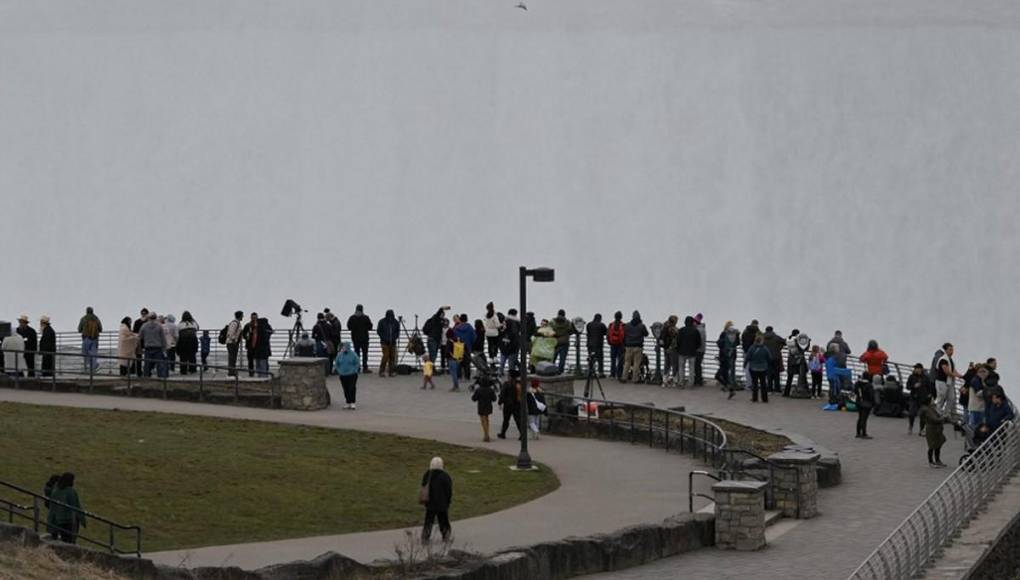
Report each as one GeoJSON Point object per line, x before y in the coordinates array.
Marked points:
{"type": "Point", "coordinates": [485, 397]}
{"type": "Point", "coordinates": [434, 326]}
{"type": "Point", "coordinates": [933, 426]}
{"type": "Point", "coordinates": [920, 386]}
{"type": "Point", "coordinates": [563, 329]}
{"type": "Point", "coordinates": [30, 336]}
{"type": "Point", "coordinates": [440, 490]}
{"type": "Point", "coordinates": [634, 333]}
{"type": "Point", "coordinates": [688, 339]}
{"type": "Point", "coordinates": [389, 329]}
{"type": "Point", "coordinates": [48, 342]}
{"type": "Point", "coordinates": [996, 415]}
{"type": "Point", "coordinates": [775, 344]}
{"type": "Point", "coordinates": [510, 338]}
{"type": "Point", "coordinates": [261, 349]}
{"type": "Point", "coordinates": [596, 331]}
{"type": "Point", "coordinates": [359, 324]}
{"type": "Point", "coordinates": [865, 391]}
{"type": "Point", "coordinates": [747, 338]}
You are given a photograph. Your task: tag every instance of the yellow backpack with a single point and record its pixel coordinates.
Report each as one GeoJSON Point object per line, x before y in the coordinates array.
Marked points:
{"type": "Point", "coordinates": [458, 351]}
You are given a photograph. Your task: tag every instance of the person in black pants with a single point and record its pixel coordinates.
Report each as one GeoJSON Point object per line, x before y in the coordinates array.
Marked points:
{"type": "Point", "coordinates": [510, 401]}
{"type": "Point", "coordinates": [136, 328]}
{"type": "Point", "coordinates": [359, 325]}
{"type": "Point", "coordinates": [758, 360]}
{"type": "Point", "coordinates": [437, 495]}
{"type": "Point", "coordinates": [47, 344]}
{"type": "Point", "coordinates": [865, 391]}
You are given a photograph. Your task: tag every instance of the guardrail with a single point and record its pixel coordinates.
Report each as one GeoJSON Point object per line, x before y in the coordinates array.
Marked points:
{"type": "Point", "coordinates": [917, 540]}
{"type": "Point", "coordinates": [34, 514]}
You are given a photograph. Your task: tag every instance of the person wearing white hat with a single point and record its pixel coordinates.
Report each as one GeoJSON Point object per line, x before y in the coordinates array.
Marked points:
{"type": "Point", "coordinates": [47, 344]}
{"type": "Point", "coordinates": [31, 343]}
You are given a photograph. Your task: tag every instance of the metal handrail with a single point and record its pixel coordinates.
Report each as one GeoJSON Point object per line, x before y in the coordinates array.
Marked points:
{"type": "Point", "coordinates": [38, 501]}
{"type": "Point", "coordinates": [690, 488]}
{"type": "Point", "coordinates": [916, 541]}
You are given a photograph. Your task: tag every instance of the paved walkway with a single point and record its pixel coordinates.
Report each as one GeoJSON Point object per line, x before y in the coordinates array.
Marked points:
{"type": "Point", "coordinates": [884, 479]}
{"type": "Point", "coordinates": [605, 485]}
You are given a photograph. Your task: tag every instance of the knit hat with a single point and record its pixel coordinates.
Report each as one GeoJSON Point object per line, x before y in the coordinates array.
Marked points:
{"type": "Point", "coordinates": [698, 317]}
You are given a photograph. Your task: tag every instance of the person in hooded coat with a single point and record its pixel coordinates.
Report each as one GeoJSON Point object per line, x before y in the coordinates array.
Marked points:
{"type": "Point", "coordinates": [127, 345]}
{"type": "Point", "coordinates": [688, 342]}
{"type": "Point", "coordinates": [728, 343]}
{"type": "Point", "coordinates": [388, 331]}
{"type": "Point", "coordinates": [595, 332]}
{"type": "Point", "coordinates": [359, 325]}
{"type": "Point", "coordinates": [510, 342]}
{"type": "Point", "coordinates": [47, 346]}
{"type": "Point", "coordinates": [634, 333]}
{"type": "Point", "coordinates": [346, 365]}
{"type": "Point", "coordinates": [62, 519]}
{"type": "Point", "coordinates": [437, 500]}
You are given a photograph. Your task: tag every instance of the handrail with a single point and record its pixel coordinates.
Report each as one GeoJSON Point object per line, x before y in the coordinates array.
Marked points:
{"type": "Point", "coordinates": [913, 544]}
{"type": "Point", "coordinates": [690, 488]}
{"type": "Point", "coordinates": [36, 512]}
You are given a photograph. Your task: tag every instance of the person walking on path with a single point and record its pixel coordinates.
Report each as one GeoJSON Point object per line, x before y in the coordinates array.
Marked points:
{"type": "Point", "coordinates": [699, 357]}
{"type": "Point", "coordinates": [757, 360]}
{"type": "Point", "coordinates": [919, 388]}
{"type": "Point", "coordinates": [595, 332]}
{"type": "Point", "coordinates": [187, 343]}
{"type": "Point", "coordinates": [47, 346]}
{"type": "Point", "coordinates": [233, 343]}
{"type": "Point", "coordinates": [536, 407]}
{"type": "Point", "coordinates": [562, 329]}
{"type": "Point", "coordinates": [510, 342]}
{"type": "Point", "coordinates": [153, 341]}
{"type": "Point", "coordinates": [688, 341]}
{"type": "Point", "coordinates": [865, 391]}
{"type": "Point", "coordinates": [510, 401]}
{"type": "Point", "coordinates": [492, 325]}
{"type": "Point", "coordinates": [615, 337]}
{"type": "Point", "coordinates": [64, 518]}
{"type": "Point", "coordinates": [484, 396]}
{"type": "Point", "coordinates": [436, 496]}
{"type": "Point", "coordinates": [359, 325]}
{"type": "Point", "coordinates": [634, 333]}
{"type": "Point", "coordinates": [31, 343]}
{"type": "Point", "coordinates": [127, 345]}
{"type": "Point", "coordinates": [774, 343]}
{"type": "Point", "coordinates": [389, 332]}
{"type": "Point", "coordinates": [346, 365]}
{"type": "Point", "coordinates": [428, 368]}
{"type": "Point", "coordinates": [933, 424]}
{"type": "Point", "coordinates": [728, 343]}
{"type": "Point", "coordinates": [875, 359]}
{"type": "Point", "coordinates": [945, 382]}
{"type": "Point", "coordinates": [463, 331]}
{"type": "Point", "coordinates": [90, 327]}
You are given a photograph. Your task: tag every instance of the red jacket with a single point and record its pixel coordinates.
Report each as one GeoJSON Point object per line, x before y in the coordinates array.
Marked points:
{"type": "Point", "coordinates": [875, 359]}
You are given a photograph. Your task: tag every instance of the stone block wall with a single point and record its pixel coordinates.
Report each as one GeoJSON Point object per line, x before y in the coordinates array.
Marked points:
{"type": "Point", "coordinates": [740, 515]}
{"type": "Point", "coordinates": [303, 384]}
{"type": "Point", "coordinates": [796, 483]}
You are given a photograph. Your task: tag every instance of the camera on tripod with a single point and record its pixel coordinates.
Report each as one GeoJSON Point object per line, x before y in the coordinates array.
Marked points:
{"type": "Point", "coordinates": [290, 308]}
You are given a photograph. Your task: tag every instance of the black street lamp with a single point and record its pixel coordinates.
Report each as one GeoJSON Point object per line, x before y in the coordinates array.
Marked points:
{"type": "Point", "coordinates": [538, 275]}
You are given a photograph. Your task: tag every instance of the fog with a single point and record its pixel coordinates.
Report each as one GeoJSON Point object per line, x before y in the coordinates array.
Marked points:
{"type": "Point", "coordinates": [822, 165]}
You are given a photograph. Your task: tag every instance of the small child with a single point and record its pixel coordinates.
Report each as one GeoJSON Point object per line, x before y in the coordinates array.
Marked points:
{"type": "Point", "coordinates": [815, 364]}
{"type": "Point", "coordinates": [485, 396]}
{"type": "Point", "coordinates": [205, 341]}
{"type": "Point", "coordinates": [536, 407]}
{"type": "Point", "coordinates": [427, 369]}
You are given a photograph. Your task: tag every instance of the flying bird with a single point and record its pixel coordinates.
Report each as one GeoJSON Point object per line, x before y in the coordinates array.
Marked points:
{"type": "Point", "coordinates": [522, 6]}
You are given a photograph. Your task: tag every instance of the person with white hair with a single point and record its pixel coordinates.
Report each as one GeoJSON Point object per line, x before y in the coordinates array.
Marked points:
{"type": "Point", "coordinates": [14, 354]}
{"type": "Point", "coordinates": [436, 495]}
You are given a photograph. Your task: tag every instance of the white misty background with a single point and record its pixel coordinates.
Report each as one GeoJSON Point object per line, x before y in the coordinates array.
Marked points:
{"type": "Point", "coordinates": [827, 165]}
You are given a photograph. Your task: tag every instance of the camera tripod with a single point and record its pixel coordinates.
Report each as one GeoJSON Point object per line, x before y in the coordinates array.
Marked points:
{"type": "Point", "coordinates": [409, 337]}
{"type": "Point", "coordinates": [293, 335]}
{"type": "Point", "coordinates": [592, 377]}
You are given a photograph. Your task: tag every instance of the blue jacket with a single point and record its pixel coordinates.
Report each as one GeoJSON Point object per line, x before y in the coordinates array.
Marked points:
{"type": "Point", "coordinates": [996, 416]}
{"type": "Point", "coordinates": [347, 361]}
{"type": "Point", "coordinates": [757, 358]}
{"type": "Point", "coordinates": [466, 333]}
{"type": "Point", "coordinates": [832, 370]}
{"type": "Point", "coordinates": [388, 329]}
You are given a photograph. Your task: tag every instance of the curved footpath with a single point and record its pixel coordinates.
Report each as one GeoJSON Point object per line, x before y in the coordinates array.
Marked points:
{"type": "Point", "coordinates": [884, 479]}
{"type": "Point", "coordinates": [604, 485]}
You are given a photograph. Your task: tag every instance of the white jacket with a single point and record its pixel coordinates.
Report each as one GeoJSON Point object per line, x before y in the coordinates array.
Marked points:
{"type": "Point", "coordinates": [491, 326]}
{"type": "Point", "coordinates": [14, 349]}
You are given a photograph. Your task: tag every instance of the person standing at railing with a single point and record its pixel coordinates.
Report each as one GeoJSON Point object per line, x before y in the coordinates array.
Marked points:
{"type": "Point", "coordinates": [816, 366]}
{"type": "Point", "coordinates": [977, 389]}
{"type": "Point", "coordinates": [65, 516]}
{"type": "Point", "coordinates": [945, 381]}
{"type": "Point", "coordinates": [47, 345]}
{"type": "Point", "coordinates": [669, 343]}
{"type": "Point", "coordinates": [758, 360]}
{"type": "Point", "coordinates": [774, 344]}
{"type": "Point", "coordinates": [14, 354]}
{"type": "Point", "coordinates": [137, 328]}
{"type": "Point", "coordinates": [187, 343]}
{"type": "Point", "coordinates": [998, 410]}
{"type": "Point", "coordinates": [90, 327]}
{"type": "Point", "coordinates": [172, 335]}
{"type": "Point", "coordinates": [433, 331]}
{"type": "Point", "coordinates": [31, 343]}
{"type": "Point", "coordinates": [699, 358]}
{"type": "Point", "coordinates": [491, 325]}
{"type": "Point", "coordinates": [728, 343]}
{"type": "Point", "coordinates": [865, 392]}
{"type": "Point", "coordinates": [875, 359]}
{"type": "Point", "coordinates": [205, 347]}
{"type": "Point", "coordinates": [389, 332]}
{"type": "Point", "coordinates": [463, 330]}
{"type": "Point", "coordinates": [595, 332]}
{"type": "Point", "coordinates": [153, 341]}
{"type": "Point", "coordinates": [260, 344]}
{"type": "Point", "coordinates": [359, 325]}
{"type": "Point", "coordinates": [615, 336]}
{"type": "Point", "coordinates": [127, 345]}
{"type": "Point", "coordinates": [510, 342]}
{"type": "Point", "coordinates": [563, 329]}
{"type": "Point", "coordinates": [233, 342]}
{"type": "Point", "coordinates": [688, 341]}
{"type": "Point", "coordinates": [838, 376]}
{"type": "Point", "coordinates": [751, 331]}
{"type": "Point", "coordinates": [250, 335]}
{"type": "Point", "coordinates": [842, 348]}
{"type": "Point", "coordinates": [634, 333]}
{"type": "Point", "coordinates": [797, 345]}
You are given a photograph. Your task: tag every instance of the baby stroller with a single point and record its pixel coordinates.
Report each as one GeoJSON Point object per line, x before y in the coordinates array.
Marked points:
{"type": "Point", "coordinates": [488, 373]}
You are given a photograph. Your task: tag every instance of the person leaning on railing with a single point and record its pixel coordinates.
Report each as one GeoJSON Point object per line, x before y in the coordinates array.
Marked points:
{"type": "Point", "coordinates": [90, 327]}
{"type": "Point", "coordinates": [153, 341]}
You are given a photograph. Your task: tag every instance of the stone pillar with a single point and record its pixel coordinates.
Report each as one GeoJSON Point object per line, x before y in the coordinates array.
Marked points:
{"type": "Point", "coordinates": [796, 483]}
{"type": "Point", "coordinates": [740, 515]}
{"type": "Point", "coordinates": [303, 384]}
{"type": "Point", "coordinates": [560, 384]}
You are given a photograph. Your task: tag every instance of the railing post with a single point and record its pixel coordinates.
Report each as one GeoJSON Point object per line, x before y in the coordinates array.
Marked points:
{"type": "Point", "coordinates": [201, 385]}
{"type": "Point", "coordinates": [92, 372]}
{"type": "Point", "coordinates": [35, 514]}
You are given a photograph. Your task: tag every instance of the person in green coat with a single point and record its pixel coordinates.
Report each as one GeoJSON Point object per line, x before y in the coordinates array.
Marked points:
{"type": "Point", "coordinates": [62, 520]}
{"type": "Point", "coordinates": [933, 423]}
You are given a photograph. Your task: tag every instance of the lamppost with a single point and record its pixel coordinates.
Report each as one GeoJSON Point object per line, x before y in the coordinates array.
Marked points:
{"type": "Point", "coordinates": [538, 275]}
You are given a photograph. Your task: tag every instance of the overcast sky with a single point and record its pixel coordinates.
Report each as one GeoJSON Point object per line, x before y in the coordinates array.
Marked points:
{"type": "Point", "coordinates": [822, 165]}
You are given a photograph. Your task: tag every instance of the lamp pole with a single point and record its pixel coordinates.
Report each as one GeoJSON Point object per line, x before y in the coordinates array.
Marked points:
{"type": "Point", "coordinates": [539, 275]}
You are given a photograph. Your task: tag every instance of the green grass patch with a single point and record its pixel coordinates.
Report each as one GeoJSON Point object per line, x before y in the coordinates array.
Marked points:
{"type": "Point", "coordinates": [199, 481]}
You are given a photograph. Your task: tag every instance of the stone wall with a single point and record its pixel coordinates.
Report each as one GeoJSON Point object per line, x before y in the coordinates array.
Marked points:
{"type": "Point", "coordinates": [796, 483]}
{"type": "Point", "coordinates": [302, 384]}
{"type": "Point", "coordinates": [740, 515]}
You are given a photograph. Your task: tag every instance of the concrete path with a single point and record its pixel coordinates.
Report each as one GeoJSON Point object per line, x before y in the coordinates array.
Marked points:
{"type": "Point", "coordinates": [884, 479]}
{"type": "Point", "coordinates": [605, 485]}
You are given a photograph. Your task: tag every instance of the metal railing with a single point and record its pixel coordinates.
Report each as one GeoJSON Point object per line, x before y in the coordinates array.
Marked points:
{"type": "Point", "coordinates": [914, 544]}
{"type": "Point", "coordinates": [206, 379]}
{"type": "Point", "coordinates": [18, 514]}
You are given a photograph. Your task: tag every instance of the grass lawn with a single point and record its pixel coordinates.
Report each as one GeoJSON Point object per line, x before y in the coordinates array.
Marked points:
{"type": "Point", "coordinates": [197, 481]}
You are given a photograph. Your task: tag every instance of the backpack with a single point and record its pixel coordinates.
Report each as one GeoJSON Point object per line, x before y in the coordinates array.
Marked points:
{"type": "Point", "coordinates": [223, 335]}
{"type": "Point", "coordinates": [615, 334]}
{"type": "Point", "coordinates": [458, 351]}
